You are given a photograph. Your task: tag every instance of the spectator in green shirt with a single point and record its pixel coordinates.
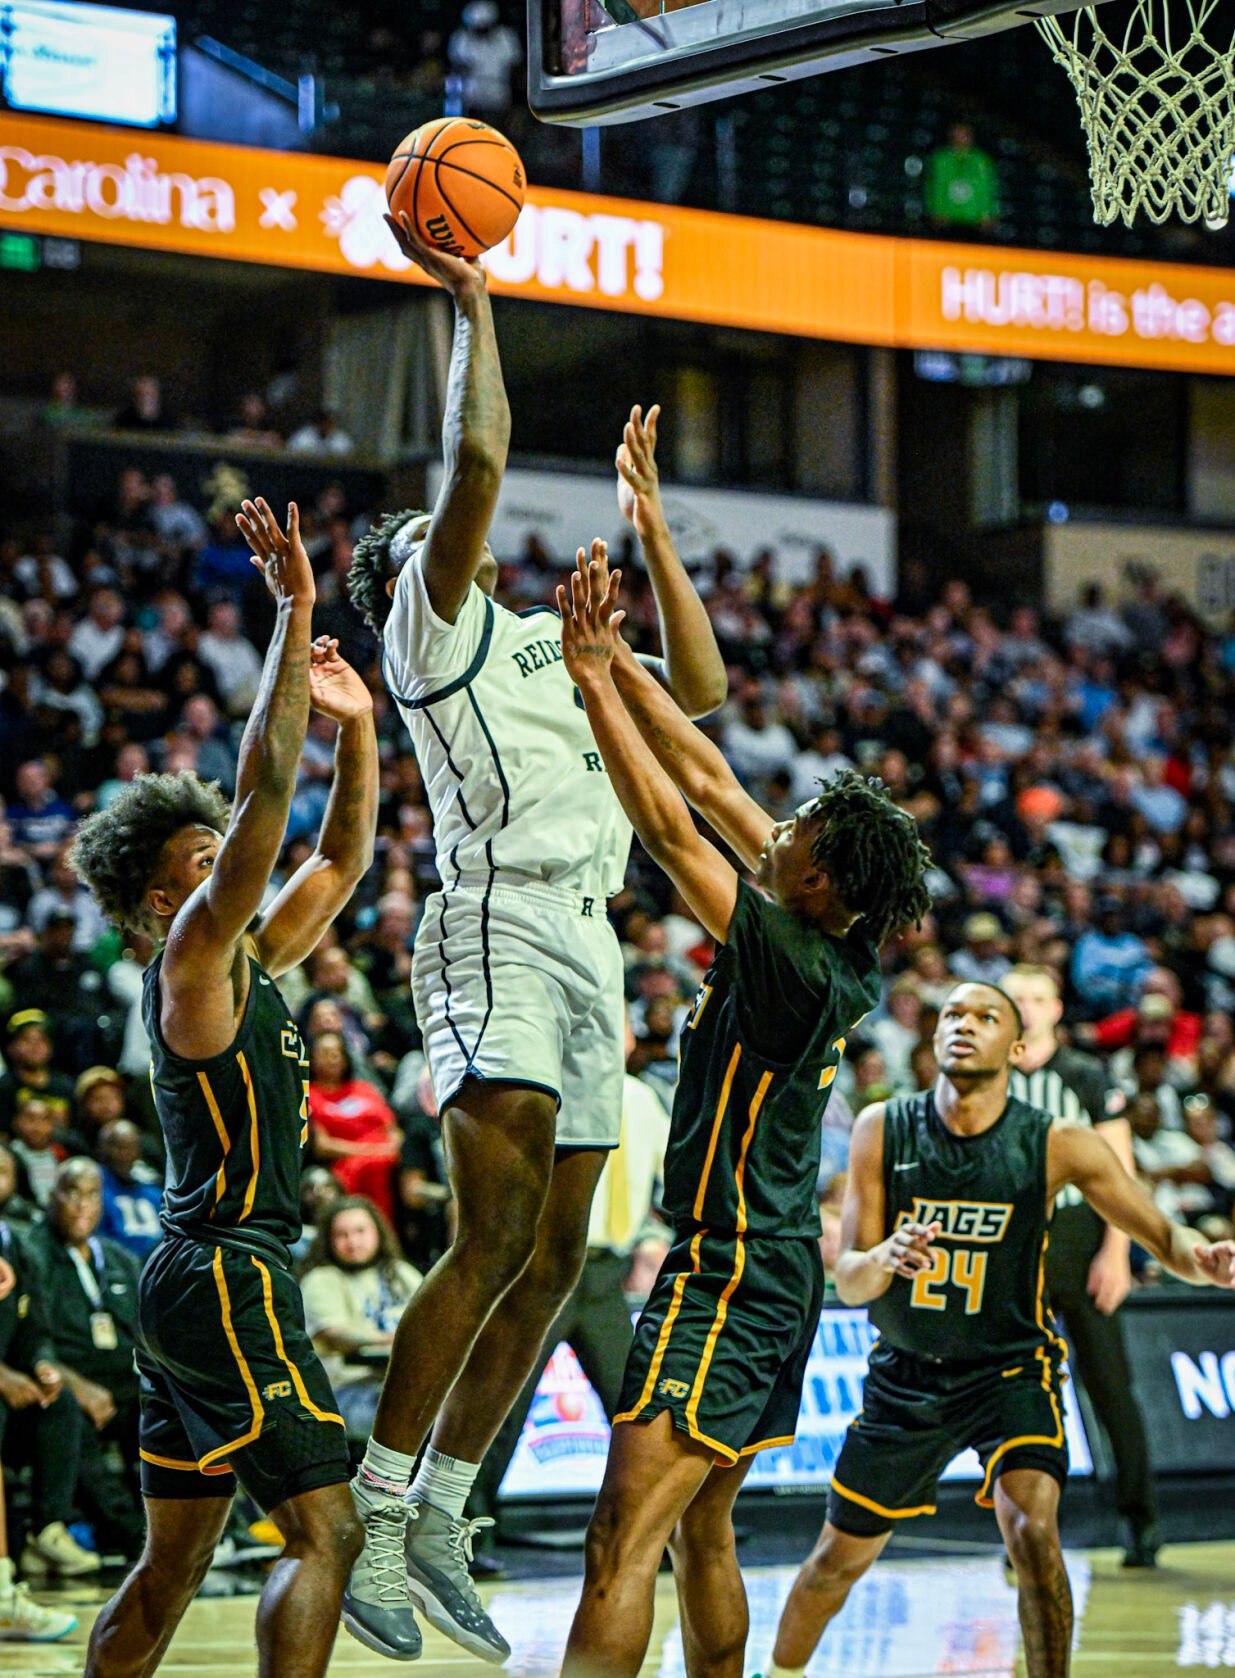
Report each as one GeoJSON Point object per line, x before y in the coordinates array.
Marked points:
{"type": "Point", "coordinates": [962, 188]}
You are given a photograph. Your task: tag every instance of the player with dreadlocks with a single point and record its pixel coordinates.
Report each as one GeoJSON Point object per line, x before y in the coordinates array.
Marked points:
{"type": "Point", "coordinates": [716, 1370]}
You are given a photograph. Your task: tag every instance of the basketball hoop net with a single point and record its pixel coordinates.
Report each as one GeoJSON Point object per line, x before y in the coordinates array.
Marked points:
{"type": "Point", "coordinates": [1157, 106]}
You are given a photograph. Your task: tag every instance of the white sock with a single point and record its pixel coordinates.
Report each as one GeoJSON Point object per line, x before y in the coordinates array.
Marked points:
{"type": "Point", "coordinates": [775, 1671]}
{"type": "Point", "coordinates": [7, 1577]}
{"type": "Point", "coordinates": [444, 1482]}
{"type": "Point", "coordinates": [385, 1470]}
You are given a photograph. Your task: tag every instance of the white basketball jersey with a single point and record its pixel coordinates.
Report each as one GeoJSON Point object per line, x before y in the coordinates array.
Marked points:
{"type": "Point", "coordinates": [514, 779]}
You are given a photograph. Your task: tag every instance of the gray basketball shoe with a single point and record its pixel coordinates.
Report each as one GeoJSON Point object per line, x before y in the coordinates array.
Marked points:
{"type": "Point", "coordinates": [439, 1548]}
{"type": "Point", "coordinates": [377, 1604]}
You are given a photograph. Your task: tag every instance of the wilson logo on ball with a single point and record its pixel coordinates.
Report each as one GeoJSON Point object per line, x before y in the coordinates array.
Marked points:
{"type": "Point", "coordinates": [441, 234]}
{"type": "Point", "coordinates": [459, 183]}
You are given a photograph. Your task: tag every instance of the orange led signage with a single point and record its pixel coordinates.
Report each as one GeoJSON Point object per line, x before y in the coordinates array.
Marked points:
{"type": "Point", "coordinates": [159, 192]}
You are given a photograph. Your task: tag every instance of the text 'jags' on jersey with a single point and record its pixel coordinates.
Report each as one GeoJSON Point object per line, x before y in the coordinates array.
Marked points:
{"type": "Point", "coordinates": [983, 1294]}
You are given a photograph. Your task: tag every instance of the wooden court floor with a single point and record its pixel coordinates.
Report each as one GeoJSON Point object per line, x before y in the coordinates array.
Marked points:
{"type": "Point", "coordinates": [914, 1618]}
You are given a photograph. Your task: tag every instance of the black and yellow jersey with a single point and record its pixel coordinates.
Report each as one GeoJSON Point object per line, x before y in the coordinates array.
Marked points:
{"type": "Point", "coordinates": [759, 1056]}
{"type": "Point", "coordinates": [983, 1296]}
{"type": "Point", "coordinates": [235, 1124]}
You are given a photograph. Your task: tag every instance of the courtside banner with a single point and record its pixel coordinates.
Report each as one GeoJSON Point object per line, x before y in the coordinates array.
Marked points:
{"type": "Point", "coordinates": [562, 1448]}
{"type": "Point", "coordinates": [1181, 1348]}
{"type": "Point", "coordinates": [291, 210]}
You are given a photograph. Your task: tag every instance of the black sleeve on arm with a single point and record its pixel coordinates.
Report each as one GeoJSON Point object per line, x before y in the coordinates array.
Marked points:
{"type": "Point", "coordinates": [32, 1341]}
{"type": "Point", "coordinates": [783, 979]}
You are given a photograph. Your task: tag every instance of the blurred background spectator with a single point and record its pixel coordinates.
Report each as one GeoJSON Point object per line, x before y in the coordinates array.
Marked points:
{"type": "Point", "coordinates": [354, 1130]}
{"type": "Point", "coordinates": [322, 435]}
{"type": "Point", "coordinates": [356, 1285]}
{"type": "Point", "coordinates": [962, 183]}
{"type": "Point", "coordinates": [89, 1284]}
{"type": "Point", "coordinates": [41, 1426]}
{"type": "Point", "coordinates": [485, 54]}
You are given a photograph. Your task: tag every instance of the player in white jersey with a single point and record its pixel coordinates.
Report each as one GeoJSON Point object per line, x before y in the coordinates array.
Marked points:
{"type": "Point", "coordinates": [517, 975]}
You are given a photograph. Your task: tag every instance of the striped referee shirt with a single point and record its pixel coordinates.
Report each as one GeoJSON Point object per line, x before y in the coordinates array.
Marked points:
{"type": "Point", "coordinates": [1070, 1085]}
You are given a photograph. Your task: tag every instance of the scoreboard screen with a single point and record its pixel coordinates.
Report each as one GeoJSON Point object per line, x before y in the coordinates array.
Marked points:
{"type": "Point", "coordinates": [100, 62]}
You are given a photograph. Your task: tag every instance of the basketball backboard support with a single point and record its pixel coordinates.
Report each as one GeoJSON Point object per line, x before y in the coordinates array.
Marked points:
{"type": "Point", "coordinates": [585, 68]}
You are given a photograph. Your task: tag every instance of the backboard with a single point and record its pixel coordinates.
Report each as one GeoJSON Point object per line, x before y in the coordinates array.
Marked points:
{"type": "Point", "coordinates": [591, 63]}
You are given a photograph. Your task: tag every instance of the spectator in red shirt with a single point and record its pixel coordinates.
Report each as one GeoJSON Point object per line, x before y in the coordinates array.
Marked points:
{"type": "Point", "coordinates": [1119, 1030]}
{"type": "Point", "coordinates": [354, 1131]}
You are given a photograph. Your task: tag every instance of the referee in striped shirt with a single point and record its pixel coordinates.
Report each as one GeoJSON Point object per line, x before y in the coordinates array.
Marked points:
{"type": "Point", "coordinates": [1087, 1270]}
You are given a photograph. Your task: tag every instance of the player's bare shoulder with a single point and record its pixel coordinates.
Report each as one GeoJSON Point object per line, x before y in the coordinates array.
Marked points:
{"type": "Point", "coordinates": [202, 1003]}
{"type": "Point", "coordinates": [866, 1137]}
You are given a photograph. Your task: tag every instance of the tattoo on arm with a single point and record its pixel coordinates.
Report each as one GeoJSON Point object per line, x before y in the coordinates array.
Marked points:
{"type": "Point", "coordinates": [274, 736]}
{"type": "Point", "coordinates": [477, 409]}
{"type": "Point", "coordinates": [655, 734]}
{"type": "Point", "coordinates": [350, 823]}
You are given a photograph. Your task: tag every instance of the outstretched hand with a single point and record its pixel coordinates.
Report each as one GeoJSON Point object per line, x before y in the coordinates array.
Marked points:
{"type": "Point", "coordinates": [638, 475]}
{"type": "Point", "coordinates": [590, 616]}
{"type": "Point", "coordinates": [279, 555]}
{"type": "Point", "coordinates": [335, 689]}
{"type": "Point", "coordinates": [1217, 1262]}
{"type": "Point", "coordinates": [457, 275]}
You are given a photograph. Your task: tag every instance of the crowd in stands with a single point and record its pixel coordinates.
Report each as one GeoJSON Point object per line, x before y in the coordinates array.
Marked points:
{"type": "Point", "coordinates": [1074, 779]}
{"type": "Point", "coordinates": [250, 423]}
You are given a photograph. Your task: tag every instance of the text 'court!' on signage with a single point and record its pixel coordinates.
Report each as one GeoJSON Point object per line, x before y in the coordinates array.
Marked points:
{"type": "Point", "coordinates": [160, 192]}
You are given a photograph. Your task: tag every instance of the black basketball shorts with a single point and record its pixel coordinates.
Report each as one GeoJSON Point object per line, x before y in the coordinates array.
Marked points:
{"type": "Point", "coordinates": [231, 1387]}
{"type": "Point", "coordinates": [918, 1414]}
{"type": "Point", "coordinates": [723, 1340]}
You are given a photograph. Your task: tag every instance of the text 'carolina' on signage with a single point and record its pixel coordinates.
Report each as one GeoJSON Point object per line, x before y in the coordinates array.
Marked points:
{"type": "Point", "coordinates": [135, 191]}
{"type": "Point", "coordinates": [292, 210]}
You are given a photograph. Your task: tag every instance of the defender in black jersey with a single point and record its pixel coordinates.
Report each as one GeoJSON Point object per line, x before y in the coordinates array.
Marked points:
{"type": "Point", "coordinates": [944, 1236]}
{"type": "Point", "coordinates": [1087, 1270]}
{"type": "Point", "coordinates": [716, 1370]}
{"type": "Point", "coordinates": [230, 1386]}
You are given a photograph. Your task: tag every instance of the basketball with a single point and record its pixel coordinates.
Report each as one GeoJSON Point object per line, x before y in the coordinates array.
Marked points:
{"type": "Point", "coordinates": [459, 182]}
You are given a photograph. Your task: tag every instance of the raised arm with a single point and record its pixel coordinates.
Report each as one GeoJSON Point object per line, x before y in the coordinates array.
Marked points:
{"type": "Point", "coordinates": [205, 933]}
{"type": "Point", "coordinates": [869, 1256]}
{"type": "Point", "coordinates": [324, 883]}
{"type": "Point", "coordinates": [1076, 1154]}
{"type": "Point", "coordinates": [475, 429]}
{"type": "Point", "coordinates": [649, 797]}
{"type": "Point", "coordinates": [693, 668]}
{"type": "Point", "coordinates": [694, 765]}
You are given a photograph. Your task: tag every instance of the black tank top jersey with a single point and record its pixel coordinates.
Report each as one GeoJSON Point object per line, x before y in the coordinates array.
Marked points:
{"type": "Point", "coordinates": [235, 1124]}
{"type": "Point", "coordinates": [758, 1058]}
{"type": "Point", "coordinates": [983, 1297]}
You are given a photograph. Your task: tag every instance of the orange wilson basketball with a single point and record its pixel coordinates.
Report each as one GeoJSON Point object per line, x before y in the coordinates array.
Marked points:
{"type": "Point", "coordinates": [460, 182]}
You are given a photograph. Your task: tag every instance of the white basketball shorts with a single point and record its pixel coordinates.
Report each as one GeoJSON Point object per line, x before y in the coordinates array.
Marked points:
{"type": "Point", "coordinates": [523, 984]}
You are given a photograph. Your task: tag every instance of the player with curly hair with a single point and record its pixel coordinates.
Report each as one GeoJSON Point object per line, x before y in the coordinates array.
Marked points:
{"type": "Point", "coordinates": [231, 1387]}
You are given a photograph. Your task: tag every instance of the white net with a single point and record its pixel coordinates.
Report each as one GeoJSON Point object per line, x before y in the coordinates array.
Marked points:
{"type": "Point", "coordinates": [1154, 83]}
